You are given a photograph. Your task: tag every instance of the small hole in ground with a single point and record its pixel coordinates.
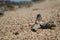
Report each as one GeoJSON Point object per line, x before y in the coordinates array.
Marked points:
{"type": "Point", "coordinates": [1, 14]}
{"type": "Point", "coordinates": [16, 33]}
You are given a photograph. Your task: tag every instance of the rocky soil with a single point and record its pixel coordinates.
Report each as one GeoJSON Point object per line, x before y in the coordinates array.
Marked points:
{"type": "Point", "coordinates": [16, 24]}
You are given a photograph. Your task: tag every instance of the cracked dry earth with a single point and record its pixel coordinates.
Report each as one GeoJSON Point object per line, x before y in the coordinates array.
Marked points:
{"type": "Point", "coordinates": [16, 25]}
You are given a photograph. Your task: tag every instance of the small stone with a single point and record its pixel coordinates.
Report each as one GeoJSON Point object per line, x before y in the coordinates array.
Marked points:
{"type": "Point", "coordinates": [35, 27]}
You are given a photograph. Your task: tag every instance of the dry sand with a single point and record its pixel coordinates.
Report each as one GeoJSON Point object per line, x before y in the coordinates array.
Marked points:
{"type": "Point", "coordinates": [16, 25]}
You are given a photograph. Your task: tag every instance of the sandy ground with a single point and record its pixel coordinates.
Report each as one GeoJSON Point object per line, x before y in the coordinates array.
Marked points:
{"type": "Point", "coordinates": [16, 25]}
